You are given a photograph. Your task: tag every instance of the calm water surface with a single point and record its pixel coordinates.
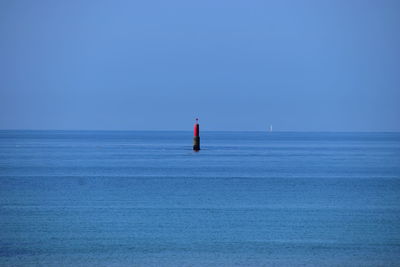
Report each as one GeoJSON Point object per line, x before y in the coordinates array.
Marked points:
{"type": "Point", "coordinates": [247, 198]}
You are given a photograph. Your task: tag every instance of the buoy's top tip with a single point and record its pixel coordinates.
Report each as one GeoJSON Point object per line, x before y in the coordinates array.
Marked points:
{"type": "Point", "coordinates": [197, 119]}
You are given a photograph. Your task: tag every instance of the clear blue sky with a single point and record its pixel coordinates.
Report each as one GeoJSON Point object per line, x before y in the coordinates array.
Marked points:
{"type": "Point", "coordinates": [238, 65]}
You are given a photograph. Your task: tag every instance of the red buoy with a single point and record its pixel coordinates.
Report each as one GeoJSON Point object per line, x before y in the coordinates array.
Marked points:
{"type": "Point", "coordinates": [196, 128]}
{"type": "Point", "coordinates": [196, 138]}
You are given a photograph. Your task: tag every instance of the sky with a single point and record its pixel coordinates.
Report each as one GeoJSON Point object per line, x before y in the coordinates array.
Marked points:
{"type": "Point", "coordinates": [301, 65]}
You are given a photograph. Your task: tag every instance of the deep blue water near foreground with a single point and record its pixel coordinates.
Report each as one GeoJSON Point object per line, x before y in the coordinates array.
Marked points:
{"type": "Point", "coordinates": [71, 198]}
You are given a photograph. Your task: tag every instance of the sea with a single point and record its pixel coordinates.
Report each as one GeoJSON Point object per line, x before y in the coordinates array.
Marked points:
{"type": "Point", "coordinates": [145, 198]}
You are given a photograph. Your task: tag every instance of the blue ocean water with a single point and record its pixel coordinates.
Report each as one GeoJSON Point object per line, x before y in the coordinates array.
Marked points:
{"type": "Point", "coordinates": [85, 198]}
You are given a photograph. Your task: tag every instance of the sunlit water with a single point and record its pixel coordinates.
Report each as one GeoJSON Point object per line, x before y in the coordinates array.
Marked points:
{"type": "Point", "coordinates": [247, 198]}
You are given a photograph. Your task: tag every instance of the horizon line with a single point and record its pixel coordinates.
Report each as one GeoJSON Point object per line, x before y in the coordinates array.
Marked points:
{"type": "Point", "coordinates": [260, 131]}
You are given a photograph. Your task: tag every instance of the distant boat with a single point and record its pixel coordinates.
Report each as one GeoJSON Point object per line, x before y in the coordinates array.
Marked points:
{"type": "Point", "coordinates": [270, 128]}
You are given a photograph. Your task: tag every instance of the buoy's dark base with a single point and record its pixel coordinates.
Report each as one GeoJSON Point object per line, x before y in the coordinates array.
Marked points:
{"type": "Point", "coordinates": [196, 143]}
